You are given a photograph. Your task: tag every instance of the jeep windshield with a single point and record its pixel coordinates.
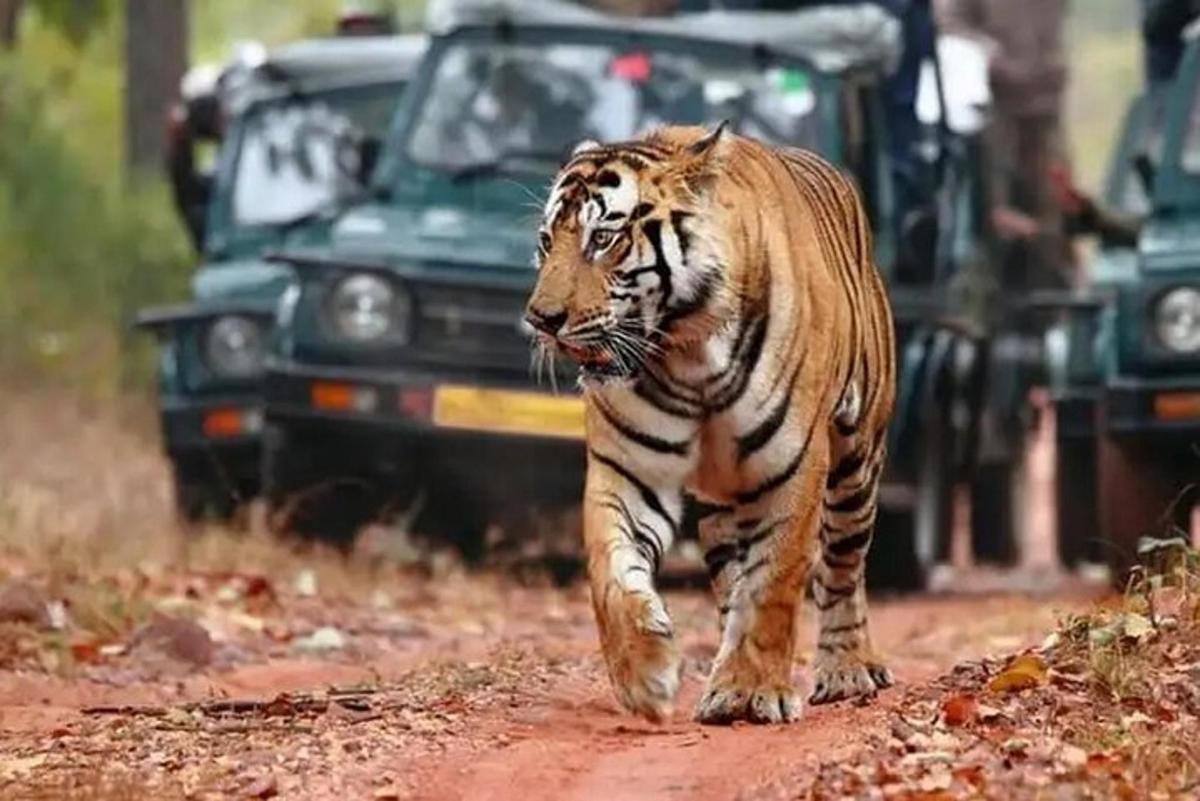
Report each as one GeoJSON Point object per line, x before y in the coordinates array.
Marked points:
{"type": "Point", "coordinates": [503, 106]}
{"type": "Point", "coordinates": [298, 155]}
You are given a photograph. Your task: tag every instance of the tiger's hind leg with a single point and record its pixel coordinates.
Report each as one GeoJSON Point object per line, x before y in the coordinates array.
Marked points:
{"type": "Point", "coordinates": [845, 665]}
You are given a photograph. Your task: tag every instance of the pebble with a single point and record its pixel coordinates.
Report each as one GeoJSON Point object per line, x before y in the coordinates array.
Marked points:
{"type": "Point", "coordinates": [21, 602]}
{"type": "Point", "coordinates": [326, 638]}
{"type": "Point", "coordinates": [177, 638]}
{"type": "Point", "coordinates": [265, 787]}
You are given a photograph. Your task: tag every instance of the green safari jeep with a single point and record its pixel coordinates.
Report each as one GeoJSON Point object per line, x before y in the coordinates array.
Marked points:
{"type": "Point", "coordinates": [298, 132]}
{"type": "Point", "coordinates": [1128, 365]}
{"type": "Point", "coordinates": [402, 366]}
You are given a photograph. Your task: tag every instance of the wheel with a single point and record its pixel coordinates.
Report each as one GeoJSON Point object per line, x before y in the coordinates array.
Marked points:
{"type": "Point", "coordinates": [892, 563]}
{"type": "Point", "coordinates": [994, 513]}
{"type": "Point", "coordinates": [933, 510]}
{"type": "Point", "coordinates": [456, 518]}
{"type": "Point", "coordinates": [200, 494]}
{"type": "Point", "coordinates": [1144, 491]}
{"type": "Point", "coordinates": [308, 495]}
{"type": "Point", "coordinates": [1075, 501]}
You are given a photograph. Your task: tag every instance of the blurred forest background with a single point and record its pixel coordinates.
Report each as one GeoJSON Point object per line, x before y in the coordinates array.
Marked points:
{"type": "Point", "coordinates": [84, 241]}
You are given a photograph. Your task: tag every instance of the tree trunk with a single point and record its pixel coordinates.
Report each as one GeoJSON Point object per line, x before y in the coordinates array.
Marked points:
{"type": "Point", "coordinates": [10, 17]}
{"type": "Point", "coordinates": [155, 60]}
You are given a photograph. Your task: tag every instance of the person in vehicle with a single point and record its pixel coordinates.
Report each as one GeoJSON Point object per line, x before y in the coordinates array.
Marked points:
{"type": "Point", "coordinates": [518, 111]}
{"type": "Point", "coordinates": [1028, 74]}
{"type": "Point", "coordinates": [1163, 23]}
{"type": "Point", "coordinates": [916, 18]}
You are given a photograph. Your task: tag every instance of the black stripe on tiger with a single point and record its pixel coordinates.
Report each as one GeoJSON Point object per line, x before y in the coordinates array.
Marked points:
{"type": "Point", "coordinates": [746, 362]}
{"type": "Point", "coordinates": [848, 545]}
{"type": "Point", "coordinates": [652, 229]}
{"type": "Point", "coordinates": [649, 392]}
{"type": "Point", "coordinates": [680, 311]}
{"type": "Point", "coordinates": [760, 435]}
{"type": "Point", "coordinates": [781, 478]}
{"type": "Point", "coordinates": [717, 557]}
{"type": "Point", "coordinates": [649, 496]}
{"type": "Point", "coordinates": [648, 441]}
{"type": "Point", "coordinates": [644, 539]}
{"type": "Point", "coordinates": [846, 467]}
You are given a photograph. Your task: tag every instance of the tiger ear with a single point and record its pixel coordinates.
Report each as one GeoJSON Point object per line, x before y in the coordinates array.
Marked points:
{"type": "Point", "coordinates": [586, 144]}
{"type": "Point", "coordinates": [698, 167]}
{"type": "Point", "coordinates": [705, 145]}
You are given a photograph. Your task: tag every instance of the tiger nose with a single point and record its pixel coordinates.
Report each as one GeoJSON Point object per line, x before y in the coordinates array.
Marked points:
{"type": "Point", "coordinates": [546, 322]}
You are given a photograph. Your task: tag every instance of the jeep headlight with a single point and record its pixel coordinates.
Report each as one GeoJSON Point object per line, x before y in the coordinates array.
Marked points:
{"type": "Point", "coordinates": [366, 308]}
{"type": "Point", "coordinates": [234, 347]}
{"type": "Point", "coordinates": [1177, 319]}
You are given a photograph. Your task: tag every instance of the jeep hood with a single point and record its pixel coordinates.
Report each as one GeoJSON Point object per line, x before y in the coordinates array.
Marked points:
{"type": "Point", "coordinates": [1168, 245]}
{"type": "Point", "coordinates": [446, 233]}
{"type": "Point", "coordinates": [251, 280]}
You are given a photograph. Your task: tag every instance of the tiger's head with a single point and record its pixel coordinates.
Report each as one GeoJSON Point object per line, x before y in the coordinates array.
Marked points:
{"type": "Point", "coordinates": [628, 267]}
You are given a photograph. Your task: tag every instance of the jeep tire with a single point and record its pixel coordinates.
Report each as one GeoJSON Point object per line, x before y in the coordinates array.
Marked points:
{"type": "Point", "coordinates": [307, 495]}
{"type": "Point", "coordinates": [200, 492]}
{"type": "Point", "coordinates": [995, 520]}
{"type": "Point", "coordinates": [1076, 500]}
{"type": "Point", "coordinates": [1144, 491]}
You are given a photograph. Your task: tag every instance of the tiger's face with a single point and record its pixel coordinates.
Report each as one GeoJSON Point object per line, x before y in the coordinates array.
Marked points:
{"type": "Point", "coordinates": [622, 259]}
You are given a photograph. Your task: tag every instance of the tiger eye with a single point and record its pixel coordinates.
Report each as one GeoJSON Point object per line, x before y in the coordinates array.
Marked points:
{"type": "Point", "coordinates": [602, 237]}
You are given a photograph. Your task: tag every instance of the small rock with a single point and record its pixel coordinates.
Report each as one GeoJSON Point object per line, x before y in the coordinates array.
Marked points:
{"type": "Point", "coordinates": [266, 787]}
{"type": "Point", "coordinates": [326, 638]}
{"type": "Point", "coordinates": [387, 794]}
{"type": "Point", "coordinates": [1073, 756]}
{"type": "Point", "coordinates": [178, 638]}
{"type": "Point", "coordinates": [305, 584]}
{"type": "Point", "coordinates": [21, 602]}
{"type": "Point", "coordinates": [56, 611]}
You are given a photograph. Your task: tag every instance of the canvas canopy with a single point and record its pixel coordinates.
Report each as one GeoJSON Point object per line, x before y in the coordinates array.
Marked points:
{"type": "Point", "coordinates": [832, 38]}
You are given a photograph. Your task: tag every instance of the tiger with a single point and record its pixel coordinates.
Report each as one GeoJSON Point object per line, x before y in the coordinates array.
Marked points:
{"type": "Point", "coordinates": [735, 350]}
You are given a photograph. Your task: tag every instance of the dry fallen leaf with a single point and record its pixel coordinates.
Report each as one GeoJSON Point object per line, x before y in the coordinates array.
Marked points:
{"type": "Point", "coordinates": [85, 652]}
{"type": "Point", "coordinates": [15, 768]}
{"type": "Point", "coordinates": [959, 710]}
{"type": "Point", "coordinates": [1137, 627]}
{"type": "Point", "coordinates": [1023, 673]}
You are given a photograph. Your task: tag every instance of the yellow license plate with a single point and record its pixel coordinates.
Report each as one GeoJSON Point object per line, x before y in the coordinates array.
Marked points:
{"type": "Point", "coordinates": [507, 412]}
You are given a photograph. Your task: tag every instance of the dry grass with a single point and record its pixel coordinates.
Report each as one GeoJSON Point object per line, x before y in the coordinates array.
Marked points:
{"type": "Point", "coordinates": [85, 499]}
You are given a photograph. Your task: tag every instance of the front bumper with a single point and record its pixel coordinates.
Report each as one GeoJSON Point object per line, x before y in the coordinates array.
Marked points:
{"type": "Point", "coordinates": [1169, 407]}
{"type": "Point", "coordinates": [230, 423]}
{"type": "Point", "coordinates": [450, 428]}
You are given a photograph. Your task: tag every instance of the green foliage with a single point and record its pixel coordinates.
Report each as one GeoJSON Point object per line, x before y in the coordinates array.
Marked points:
{"type": "Point", "coordinates": [75, 19]}
{"type": "Point", "coordinates": [81, 247]}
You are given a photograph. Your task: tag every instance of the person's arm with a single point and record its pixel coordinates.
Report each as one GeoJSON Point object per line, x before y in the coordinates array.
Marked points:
{"type": "Point", "coordinates": [1114, 230]}
{"type": "Point", "coordinates": [960, 17]}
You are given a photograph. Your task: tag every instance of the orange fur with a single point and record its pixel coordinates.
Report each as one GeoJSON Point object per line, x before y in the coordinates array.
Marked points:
{"type": "Point", "coordinates": [764, 390]}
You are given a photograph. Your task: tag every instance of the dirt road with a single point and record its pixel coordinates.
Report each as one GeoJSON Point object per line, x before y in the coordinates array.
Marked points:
{"type": "Point", "coordinates": [467, 688]}
{"type": "Point", "coordinates": [139, 662]}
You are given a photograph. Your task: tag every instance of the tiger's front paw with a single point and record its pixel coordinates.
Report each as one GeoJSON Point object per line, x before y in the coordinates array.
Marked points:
{"type": "Point", "coordinates": [639, 649]}
{"type": "Point", "coordinates": [736, 691]}
{"type": "Point", "coordinates": [842, 676]}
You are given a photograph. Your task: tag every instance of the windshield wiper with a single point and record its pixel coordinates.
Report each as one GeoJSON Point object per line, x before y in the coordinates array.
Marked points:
{"type": "Point", "coordinates": [504, 163]}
